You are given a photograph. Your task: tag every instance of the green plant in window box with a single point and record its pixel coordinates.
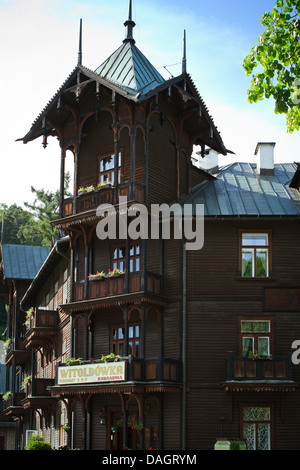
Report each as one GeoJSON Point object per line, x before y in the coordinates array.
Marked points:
{"type": "Point", "coordinates": [87, 189]}
{"type": "Point", "coordinates": [115, 272]}
{"type": "Point", "coordinates": [105, 184]}
{"type": "Point", "coordinates": [110, 358]}
{"type": "Point", "coordinates": [29, 314]}
{"type": "Point", "coordinates": [25, 382]}
{"type": "Point", "coordinates": [98, 275]}
{"type": "Point", "coordinates": [257, 356]}
{"type": "Point", "coordinates": [6, 396]}
{"type": "Point", "coordinates": [65, 428]}
{"type": "Point", "coordinates": [7, 343]}
{"type": "Point", "coordinates": [71, 361]}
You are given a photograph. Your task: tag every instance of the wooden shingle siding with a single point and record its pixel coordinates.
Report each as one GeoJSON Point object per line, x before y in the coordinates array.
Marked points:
{"type": "Point", "coordinates": [100, 142]}
{"type": "Point", "coordinates": [162, 162]}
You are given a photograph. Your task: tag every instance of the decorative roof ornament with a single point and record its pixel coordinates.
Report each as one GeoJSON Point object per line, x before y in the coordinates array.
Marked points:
{"type": "Point", "coordinates": [128, 68]}
{"type": "Point", "coordinates": [80, 44]}
{"type": "Point", "coordinates": [129, 24]}
{"type": "Point", "coordinates": [184, 53]}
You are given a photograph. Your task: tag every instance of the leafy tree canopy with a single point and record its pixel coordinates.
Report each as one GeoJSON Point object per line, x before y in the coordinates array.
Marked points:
{"type": "Point", "coordinates": [15, 217]}
{"type": "Point", "coordinates": [32, 226]}
{"type": "Point", "coordinates": [274, 64]}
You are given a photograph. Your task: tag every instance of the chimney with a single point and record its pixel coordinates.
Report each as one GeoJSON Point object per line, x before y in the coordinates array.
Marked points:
{"type": "Point", "coordinates": [265, 151]}
{"type": "Point", "coordinates": [210, 162]}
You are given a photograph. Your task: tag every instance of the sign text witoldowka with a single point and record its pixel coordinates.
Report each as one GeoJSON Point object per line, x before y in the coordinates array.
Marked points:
{"type": "Point", "coordinates": [91, 373]}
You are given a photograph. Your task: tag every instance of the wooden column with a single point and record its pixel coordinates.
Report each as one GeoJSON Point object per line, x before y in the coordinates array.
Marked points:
{"type": "Point", "coordinates": [116, 147]}
{"type": "Point", "coordinates": [126, 329]}
{"type": "Point", "coordinates": [62, 182]}
{"type": "Point", "coordinates": [132, 160]}
{"type": "Point", "coordinates": [143, 331]}
{"type": "Point", "coordinates": [75, 187]}
{"type": "Point", "coordinates": [146, 159]}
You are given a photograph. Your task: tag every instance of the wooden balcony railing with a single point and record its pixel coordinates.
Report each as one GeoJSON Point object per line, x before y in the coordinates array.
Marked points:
{"type": "Point", "coordinates": [160, 369]}
{"type": "Point", "coordinates": [116, 285]}
{"type": "Point", "coordinates": [277, 368]}
{"type": "Point", "coordinates": [14, 400]}
{"type": "Point", "coordinates": [91, 200]}
{"type": "Point", "coordinates": [42, 328]}
{"type": "Point", "coordinates": [38, 387]}
{"type": "Point", "coordinates": [42, 318]}
{"type": "Point", "coordinates": [138, 370]}
{"type": "Point", "coordinates": [17, 350]}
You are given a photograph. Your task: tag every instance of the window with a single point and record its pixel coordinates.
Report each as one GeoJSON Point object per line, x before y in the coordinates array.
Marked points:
{"type": "Point", "coordinates": [255, 336]}
{"type": "Point", "coordinates": [65, 287]}
{"type": "Point", "coordinates": [47, 300]}
{"type": "Point", "coordinates": [255, 256]}
{"type": "Point", "coordinates": [64, 352]}
{"type": "Point", "coordinates": [118, 340]}
{"type": "Point", "coordinates": [119, 257]}
{"type": "Point", "coordinates": [256, 424]}
{"type": "Point", "coordinates": [55, 296]}
{"type": "Point", "coordinates": [107, 169]}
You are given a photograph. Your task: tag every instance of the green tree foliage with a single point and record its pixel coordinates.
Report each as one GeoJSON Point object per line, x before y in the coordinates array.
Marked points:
{"type": "Point", "coordinates": [44, 209]}
{"type": "Point", "coordinates": [274, 63]}
{"type": "Point", "coordinates": [37, 443]}
{"type": "Point", "coordinates": [15, 217]}
{"type": "Point", "coordinates": [33, 226]}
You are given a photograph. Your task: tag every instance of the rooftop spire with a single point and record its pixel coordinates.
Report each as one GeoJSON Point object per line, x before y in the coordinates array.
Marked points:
{"type": "Point", "coordinates": [129, 25]}
{"type": "Point", "coordinates": [184, 54]}
{"type": "Point", "coordinates": [80, 44]}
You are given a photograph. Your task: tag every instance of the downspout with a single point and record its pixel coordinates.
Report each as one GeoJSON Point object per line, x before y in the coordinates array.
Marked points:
{"type": "Point", "coordinates": [183, 430]}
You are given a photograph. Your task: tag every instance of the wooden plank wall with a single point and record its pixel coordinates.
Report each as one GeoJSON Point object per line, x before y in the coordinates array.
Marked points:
{"type": "Point", "coordinates": [161, 162]}
{"type": "Point", "coordinates": [217, 297]}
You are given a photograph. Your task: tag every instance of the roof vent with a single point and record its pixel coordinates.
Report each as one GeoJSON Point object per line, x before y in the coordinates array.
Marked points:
{"type": "Point", "coordinates": [265, 150]}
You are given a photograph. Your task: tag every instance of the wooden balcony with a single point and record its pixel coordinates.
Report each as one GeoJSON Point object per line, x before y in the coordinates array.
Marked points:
{"type": "Point", "coordinates": [87, 201]}
{"type": "Point", "coordinates": [13, 405]}
{"type": "Point", "coordinates": [269, 373]}
{"type": "Point", "coordinates": [17, 351]}
{"type": "Point", "coordinates": [118, 285]}
{"type": "Point", "coordinates": [42, 328]}
{"type": "Point", "coordinates": [37, 394]}
{"type": "Point", "coordinates": [158, 370]}
{"type": "Point", "coordinates": [159, 374]}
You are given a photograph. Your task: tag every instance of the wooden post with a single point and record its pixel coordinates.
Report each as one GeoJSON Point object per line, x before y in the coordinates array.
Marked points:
{"type": "Point", "coordinates": [62, 182]}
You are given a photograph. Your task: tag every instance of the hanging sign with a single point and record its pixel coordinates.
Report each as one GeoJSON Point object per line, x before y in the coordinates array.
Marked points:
{"type": "Point", "coordinates": [91, 373]}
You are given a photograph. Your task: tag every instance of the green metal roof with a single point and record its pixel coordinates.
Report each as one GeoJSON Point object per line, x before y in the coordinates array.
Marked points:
{"type": "Point", "coordinates": [239, 190]}
{"type": "Point", "coordinates": [22, 261]}
{"type": "Point", "coordinates": [128, 68]}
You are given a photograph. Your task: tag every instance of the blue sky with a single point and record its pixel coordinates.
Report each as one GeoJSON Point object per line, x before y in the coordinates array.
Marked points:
{"type": "Point", "coordinates": [39, 46]}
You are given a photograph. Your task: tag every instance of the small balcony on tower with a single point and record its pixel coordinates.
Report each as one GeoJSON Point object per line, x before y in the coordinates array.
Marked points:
{"type": "Point", "coordinates": [89, 198]}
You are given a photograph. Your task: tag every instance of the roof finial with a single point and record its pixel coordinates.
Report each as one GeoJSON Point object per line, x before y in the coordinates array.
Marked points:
{"type": "Point", "coordinates": [129, 25]}
{"type": "Point", "coordinates": [184, 54]}
{"type": "Point", "coordinates": [80, 44]}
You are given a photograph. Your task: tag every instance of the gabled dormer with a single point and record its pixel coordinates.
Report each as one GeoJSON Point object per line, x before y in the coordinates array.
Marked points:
{"type": "Point", "coordinates": [131, 131]}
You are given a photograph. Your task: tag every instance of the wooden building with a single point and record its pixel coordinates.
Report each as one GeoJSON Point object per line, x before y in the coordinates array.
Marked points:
{"type": "Point", "coordinates": [19, 265]}
{"type": "Point", "coordinates": [144, 342]}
